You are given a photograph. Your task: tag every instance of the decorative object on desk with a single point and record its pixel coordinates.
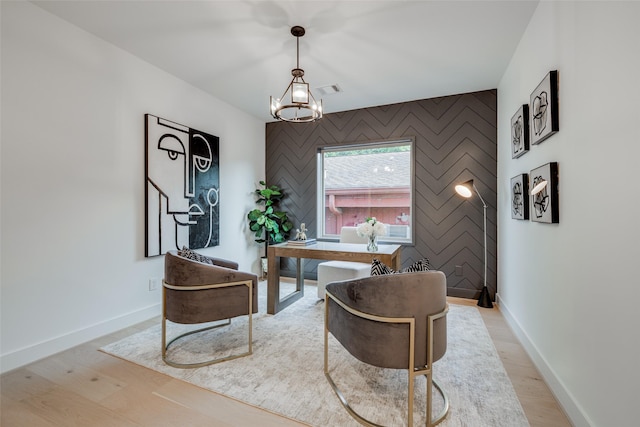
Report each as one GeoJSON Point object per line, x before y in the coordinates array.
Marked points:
{"type": "Point", "coordinates": [520, 132]}
{"type": "Point", "coordinates": [305, 242]}
{"type": "Point", "coordinates": [543, 111]}
{"type": "Point", "coordinates": [301, 233]}
{"type": "Point", "coordinates": [465, 190]}
{"type": "Point", "coordinates": [182, 185]}
{"type": "Point", "coordinates": [269, 224]}
{"type": "Point", "coordinates": [520, 196]}
{"type": "Point", "coordinates": [371, 228]}
{"type": "Point", "coordinates": [544, 194]}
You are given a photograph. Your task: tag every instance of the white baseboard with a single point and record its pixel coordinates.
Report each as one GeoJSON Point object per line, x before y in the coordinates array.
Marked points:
{"type": "Point", "coordinates": [564, 397]}
{"type": "Point", "coordinates": [26, 355]}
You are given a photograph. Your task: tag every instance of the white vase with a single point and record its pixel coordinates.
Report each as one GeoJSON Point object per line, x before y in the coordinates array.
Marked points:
{"type": "Point", "coordinates": [372, 244]}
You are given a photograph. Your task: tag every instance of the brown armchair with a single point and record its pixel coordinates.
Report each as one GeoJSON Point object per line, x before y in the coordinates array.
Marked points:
{"type": "Point", "coordinates": [393, 321]}
{"type": "Point", "coordinates": [205, 291]}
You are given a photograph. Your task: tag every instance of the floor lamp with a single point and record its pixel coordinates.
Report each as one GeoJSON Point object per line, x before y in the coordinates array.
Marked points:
{"type": "Point", "coordinates": [464, 190]}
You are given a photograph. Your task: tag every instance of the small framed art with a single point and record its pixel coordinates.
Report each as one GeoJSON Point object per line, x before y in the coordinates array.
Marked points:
{"type": "Point", "coordinates": [520, 196]}
{"type": "Point", "coordinates": [520, 132]}
{"type": "Point", "coordinates": [544, 194]}
{"type": "Point", "coordinates": [543, 109]}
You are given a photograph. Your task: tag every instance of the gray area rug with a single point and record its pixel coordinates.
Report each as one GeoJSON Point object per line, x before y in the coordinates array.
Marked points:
{"type": "Point", "coordinates": [285, 373]}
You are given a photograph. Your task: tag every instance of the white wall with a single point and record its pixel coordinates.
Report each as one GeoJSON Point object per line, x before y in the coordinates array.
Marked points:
{"type": "Point", "coordinates": [571, 290]}
{"type": "Point", "coordinates": [73, 106]}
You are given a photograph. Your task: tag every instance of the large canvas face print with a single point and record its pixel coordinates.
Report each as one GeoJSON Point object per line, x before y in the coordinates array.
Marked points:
{"type": "Point", "coordinates": [520, 132]}
{"type": "Point", "coordinates": [544, 204]}
{"type": "Point", "coordinates": [543, 110]}
{"type": "Point", "coordinates": [182, 187]}
{"type": "Point", "coordinates": [520, 197]}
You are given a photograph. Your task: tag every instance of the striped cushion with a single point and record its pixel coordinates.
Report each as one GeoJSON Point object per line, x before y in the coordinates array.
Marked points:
{"type": "Point", "coordinates": [194, 256]}
{"type": "Point", "coordinates": [378, 267]}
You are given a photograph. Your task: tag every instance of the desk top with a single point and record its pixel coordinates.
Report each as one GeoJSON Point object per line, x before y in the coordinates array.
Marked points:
{"type": "Point", "coordinates": [337, 251]}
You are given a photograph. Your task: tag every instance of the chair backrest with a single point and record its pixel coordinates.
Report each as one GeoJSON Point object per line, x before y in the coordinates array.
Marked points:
{"type": "Point", "coordinates": [350, 235]}
{"type": "Point", "coordinates": [194, 305]}
{"type": "Point", "coordinates": [411, 295]}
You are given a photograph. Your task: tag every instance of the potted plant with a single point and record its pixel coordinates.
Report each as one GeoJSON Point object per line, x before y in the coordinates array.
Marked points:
{"type": "Point", "coordinates": [269, 224]}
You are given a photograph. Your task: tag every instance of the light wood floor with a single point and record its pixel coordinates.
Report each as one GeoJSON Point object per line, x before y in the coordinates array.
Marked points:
{"type": "Point", "coordinates": [85, 387]}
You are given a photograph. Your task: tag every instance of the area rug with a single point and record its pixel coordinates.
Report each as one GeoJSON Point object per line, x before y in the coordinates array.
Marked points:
{"type": "Point", "coordinates": [285, 373]}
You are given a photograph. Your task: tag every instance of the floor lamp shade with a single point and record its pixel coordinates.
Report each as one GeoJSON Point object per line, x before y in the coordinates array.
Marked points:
{"type": "Point", "coordinates": [466, 190]}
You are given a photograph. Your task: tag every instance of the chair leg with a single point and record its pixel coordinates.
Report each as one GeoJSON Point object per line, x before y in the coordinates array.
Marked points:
{"type": "Point", "coordinates": [430, 422]}
{"type": "Point", "coordinates": [430, 383]}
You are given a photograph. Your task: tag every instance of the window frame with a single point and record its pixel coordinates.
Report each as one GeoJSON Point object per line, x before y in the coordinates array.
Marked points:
{"type": "Point", "coordinates": [320, 187]}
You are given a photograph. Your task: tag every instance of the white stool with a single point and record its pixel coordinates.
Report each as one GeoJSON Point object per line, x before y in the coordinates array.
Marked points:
{"type": "Point", "coordinates": [332, 271]}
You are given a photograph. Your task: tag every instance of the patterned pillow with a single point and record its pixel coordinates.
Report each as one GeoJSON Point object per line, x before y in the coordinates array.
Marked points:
{"type": "Point", "coordinates": [420, 265]}
{"type": "Point", "coordinates": [194, 256]}
{"type": "Point", "coordinates": [379, 268]}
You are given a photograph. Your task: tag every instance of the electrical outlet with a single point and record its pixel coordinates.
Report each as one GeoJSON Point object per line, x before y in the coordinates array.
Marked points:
{"type": "Point", "coordinates": [458, 270]}
{"type": "Point", "coordinates": [153, 284]}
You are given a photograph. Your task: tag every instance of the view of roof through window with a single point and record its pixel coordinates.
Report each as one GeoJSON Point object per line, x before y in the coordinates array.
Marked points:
{"type": "Point", "coordinates": [368, 181]}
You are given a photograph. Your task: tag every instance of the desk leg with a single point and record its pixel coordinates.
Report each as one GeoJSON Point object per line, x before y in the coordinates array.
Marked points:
{"type": "Point", "coordinates": [273, 283]}
{"type": "Point", "coordinates": [397, 262]}
{"type": "Point", "coordinates": [299, 276]}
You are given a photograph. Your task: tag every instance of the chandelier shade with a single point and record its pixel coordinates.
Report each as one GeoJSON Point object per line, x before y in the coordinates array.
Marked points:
{"type": "Point", "coordinates": [297, 104]}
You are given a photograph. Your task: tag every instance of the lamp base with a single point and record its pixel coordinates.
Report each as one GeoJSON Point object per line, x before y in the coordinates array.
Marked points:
{"type": "Point", "coordinates": [485, 299]}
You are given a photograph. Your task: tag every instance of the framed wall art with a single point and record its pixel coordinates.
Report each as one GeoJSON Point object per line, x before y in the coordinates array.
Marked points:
{"type": "Point", "coordinates": [544, 194]}
{"type": "Point", "coordinates": [520, 132]}
{"type": "Point", "coordinates": [520, 196]}
{"type": "Point", "coordinates": [543, 109]}
{"type": "Point", "coordinates": [182, 187]}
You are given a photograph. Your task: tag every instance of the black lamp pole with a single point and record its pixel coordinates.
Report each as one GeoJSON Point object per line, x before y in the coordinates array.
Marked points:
{"type": "Point", "coordinates": [485, 299]}
{"type": "Point", "coordinates": [464, 190]}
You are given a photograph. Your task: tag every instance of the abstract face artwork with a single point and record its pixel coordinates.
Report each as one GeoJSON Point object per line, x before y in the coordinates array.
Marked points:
{"type": "Point", "coordinates": [544, 203]}
{"type": "Point", "coordinates": [520, 132]}
{"type": "Point", "coordinates": [544, 109]}
{"type": "Point", "coordinates": [182, 187]}
{"type": "Point", "coordinates": [520, 197]}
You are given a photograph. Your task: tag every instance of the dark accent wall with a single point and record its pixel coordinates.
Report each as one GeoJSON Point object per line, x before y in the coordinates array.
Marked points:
{"type": "Point", "coordinates": [455, 140]}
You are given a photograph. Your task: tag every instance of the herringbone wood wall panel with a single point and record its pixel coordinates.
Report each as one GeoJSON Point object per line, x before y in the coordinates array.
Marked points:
{"type": "Point", "coordinates": [455, 140]}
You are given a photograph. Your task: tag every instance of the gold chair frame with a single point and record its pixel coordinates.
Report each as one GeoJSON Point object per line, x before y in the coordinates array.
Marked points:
{"type": "Point", "coordinates": [165, 345]}
{"type": "Point", "coordinates": [412, 372]}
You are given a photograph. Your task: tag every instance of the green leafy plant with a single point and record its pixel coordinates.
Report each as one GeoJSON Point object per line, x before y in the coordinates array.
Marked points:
{"type": "Point", "coordinates": [268, 224]}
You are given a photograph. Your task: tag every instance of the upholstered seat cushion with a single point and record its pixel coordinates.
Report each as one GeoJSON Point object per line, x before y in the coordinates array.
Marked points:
{"type": "Point", "coordinates": [332, 271]}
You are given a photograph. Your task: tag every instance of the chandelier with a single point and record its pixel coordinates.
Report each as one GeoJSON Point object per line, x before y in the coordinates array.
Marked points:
{"type": "Point", "coordinates": [297, 104]}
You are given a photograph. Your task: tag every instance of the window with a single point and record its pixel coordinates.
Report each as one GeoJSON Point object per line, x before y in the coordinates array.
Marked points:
{"type": "Point", "coordinates": [367, 180]}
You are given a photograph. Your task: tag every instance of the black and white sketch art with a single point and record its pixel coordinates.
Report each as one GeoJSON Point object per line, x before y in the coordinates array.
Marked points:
{"type": "Point", "coordinates": [544, 194]}
{"type": "Point", "coordinates": [520, 132]}
{"type": "Point", "coordinates": [543, 109]}
{"type": "Point", "coordinates": [520, 196]}
{"type": "Point", "coordinates": [182, 187]}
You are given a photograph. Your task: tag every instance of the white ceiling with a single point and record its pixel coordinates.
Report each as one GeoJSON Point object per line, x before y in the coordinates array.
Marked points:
{"type": "Point", "coordinates": [378, 52]}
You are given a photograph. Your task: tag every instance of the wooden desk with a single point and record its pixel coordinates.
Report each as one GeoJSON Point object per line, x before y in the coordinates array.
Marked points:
{"type": "Point", "coordinates": [388, 254]}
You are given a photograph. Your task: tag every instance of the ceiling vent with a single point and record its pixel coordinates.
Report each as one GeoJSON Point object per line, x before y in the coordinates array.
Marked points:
{"type": "Point", "coordinates": [329, 90]}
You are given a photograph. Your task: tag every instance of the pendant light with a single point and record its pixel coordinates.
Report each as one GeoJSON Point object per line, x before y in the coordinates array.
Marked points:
{"type": "Point", "coordinates": [297, 104]}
